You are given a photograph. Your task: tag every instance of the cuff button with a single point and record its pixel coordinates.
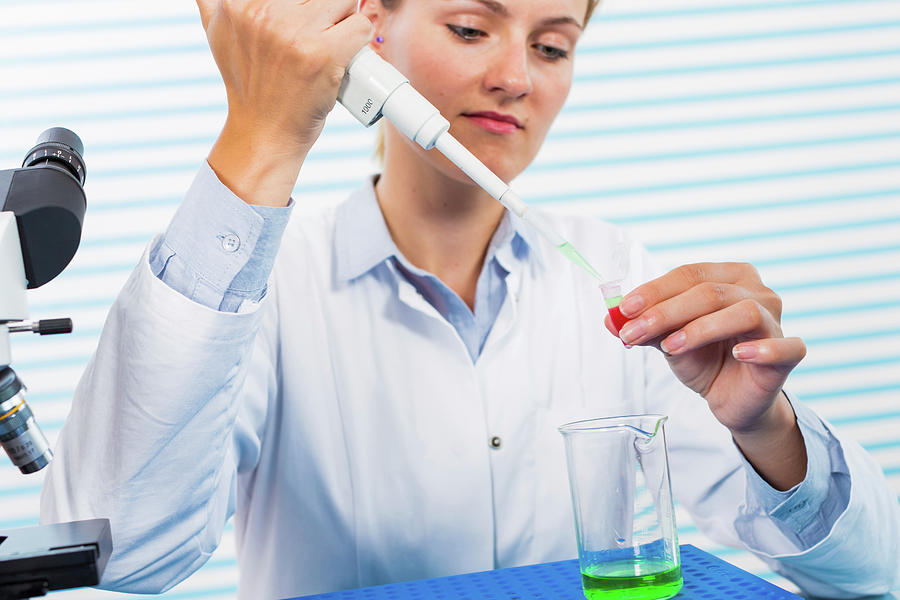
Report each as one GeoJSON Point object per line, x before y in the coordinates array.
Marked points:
{"type": "Point", "coordinates": [230, 242]}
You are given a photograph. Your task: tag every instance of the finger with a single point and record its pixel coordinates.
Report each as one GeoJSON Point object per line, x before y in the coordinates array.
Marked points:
{"type": "Point", "coordinates": [673, 313]}
{"type": "Point", "coordinates": [747, 318]}
{"type": "Point", "coordinates": [207, 8]}
{"type": "Point", "coordinates": [776, 352]}
{"type": "Point", "coordinates": [678, 280]}
{"type": "Point", "coordinates": [350, 36]}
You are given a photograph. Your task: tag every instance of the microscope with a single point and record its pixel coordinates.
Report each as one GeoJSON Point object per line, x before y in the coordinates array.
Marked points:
{"type": "Point", "coordinates": [41, 213]}
{"type": "Point", "coordinates": [42, 207]}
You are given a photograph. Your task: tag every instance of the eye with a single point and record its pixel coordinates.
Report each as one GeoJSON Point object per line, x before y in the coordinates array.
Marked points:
{"type": "Point", "coordinates": [467, 33]}
{"type": "Point", "coordinates": [551, 53]}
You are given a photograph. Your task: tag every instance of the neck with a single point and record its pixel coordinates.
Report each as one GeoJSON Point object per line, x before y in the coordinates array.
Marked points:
{"type": "Point", "coordinates": [440, 223]}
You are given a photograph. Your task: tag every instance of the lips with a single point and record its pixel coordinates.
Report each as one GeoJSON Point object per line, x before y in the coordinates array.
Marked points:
{"type": "Point", "coordinates": [495, 122]}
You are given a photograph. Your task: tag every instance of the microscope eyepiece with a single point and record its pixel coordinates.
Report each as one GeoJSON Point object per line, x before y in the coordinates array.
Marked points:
{"type": "Point", "coordinates": [20, 435]}
{"type": "Point", "coordinates": [61, 147]}
{"type": "Point", "coordinates": [47, 197]}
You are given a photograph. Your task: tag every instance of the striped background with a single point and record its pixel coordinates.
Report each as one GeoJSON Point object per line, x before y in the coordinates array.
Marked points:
{"type": "Point", "coordinates": [766, 131]}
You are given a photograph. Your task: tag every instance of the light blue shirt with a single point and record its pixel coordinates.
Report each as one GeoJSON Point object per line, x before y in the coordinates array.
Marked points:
{"type": "Point", "coordinates": [219, 251]}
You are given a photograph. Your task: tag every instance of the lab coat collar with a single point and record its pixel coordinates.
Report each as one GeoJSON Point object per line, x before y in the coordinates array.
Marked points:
{"type": "Point", "coordinates": [362, 240]}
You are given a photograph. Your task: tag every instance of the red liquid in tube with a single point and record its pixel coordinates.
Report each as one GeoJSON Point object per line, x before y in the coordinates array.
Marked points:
{"type": "Point", "coordinates": [618, 319]}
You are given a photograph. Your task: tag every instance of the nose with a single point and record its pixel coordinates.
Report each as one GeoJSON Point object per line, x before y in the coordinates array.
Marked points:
{"type": "Point", "coordinates": [509, 71]}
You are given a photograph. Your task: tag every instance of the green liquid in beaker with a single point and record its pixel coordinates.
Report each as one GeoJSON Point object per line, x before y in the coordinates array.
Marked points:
{"type": "Point", "coordinates": [632, 580]}
{"type": "Point", "coordinates": [572, 254]}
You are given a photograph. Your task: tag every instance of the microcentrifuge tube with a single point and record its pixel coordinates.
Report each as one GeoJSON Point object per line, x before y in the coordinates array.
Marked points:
{"type": "Point", "coordinates": [612, 295]}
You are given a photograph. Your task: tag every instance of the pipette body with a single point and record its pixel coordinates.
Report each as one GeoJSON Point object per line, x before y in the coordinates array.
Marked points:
{"type": "Point", "coordinates": [372, 88]}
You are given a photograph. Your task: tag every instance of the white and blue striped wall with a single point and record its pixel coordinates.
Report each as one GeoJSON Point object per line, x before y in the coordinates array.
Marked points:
{"type": "Point", "coordinates": [755, 130]}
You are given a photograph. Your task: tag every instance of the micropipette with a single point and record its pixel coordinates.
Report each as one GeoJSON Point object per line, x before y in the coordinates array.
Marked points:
{"type": "Point", "coordinates": [372, 88]}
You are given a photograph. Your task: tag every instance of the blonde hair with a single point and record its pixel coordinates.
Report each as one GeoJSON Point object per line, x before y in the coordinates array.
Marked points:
{"type": "Point", "coordinates": [391, 5]}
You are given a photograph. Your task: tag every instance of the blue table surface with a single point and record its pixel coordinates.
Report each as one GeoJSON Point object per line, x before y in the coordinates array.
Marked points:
{"type": "Point", "coordinates": [705, 578]}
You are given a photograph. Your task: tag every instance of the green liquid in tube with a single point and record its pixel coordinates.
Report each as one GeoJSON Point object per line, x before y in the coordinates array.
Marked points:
{"type": "Point", "coordinates": [632, 580]}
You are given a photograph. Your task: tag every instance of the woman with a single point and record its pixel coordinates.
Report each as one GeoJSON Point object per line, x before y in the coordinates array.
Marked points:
{"type": "Point", "coordinates": [385, 409]}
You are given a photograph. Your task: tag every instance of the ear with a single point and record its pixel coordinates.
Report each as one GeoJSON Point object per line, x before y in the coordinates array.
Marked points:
{"type": "Point", "coordinates": [377, 14]}
{"type": "Point", "coordinates": [374, 10]}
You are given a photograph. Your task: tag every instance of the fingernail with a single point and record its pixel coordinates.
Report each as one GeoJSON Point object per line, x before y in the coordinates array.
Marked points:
{"type": "Point", "coordinates": [744, 351]}
{"type": "Point", "coordinates": [674, 342]}
{"type": "Point", "coordinates": [631, 305]}
{"type": "Point", "coordinates": [632, 331]}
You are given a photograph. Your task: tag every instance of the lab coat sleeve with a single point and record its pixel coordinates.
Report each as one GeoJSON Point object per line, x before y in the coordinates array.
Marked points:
{"type": "Point", "coordinates": [169, 408]}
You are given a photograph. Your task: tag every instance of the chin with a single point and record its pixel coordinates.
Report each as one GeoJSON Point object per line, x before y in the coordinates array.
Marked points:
{"type": "Point", "coordinates": [502, 156]}
{"type": "Point", "coordinates": [504, 171]}
{"type": "Point", "coordinates": [505, 156]}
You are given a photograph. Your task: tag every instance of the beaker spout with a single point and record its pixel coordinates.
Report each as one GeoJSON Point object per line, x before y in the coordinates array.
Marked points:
{"type": "Point", "coordinates": [649, 430]}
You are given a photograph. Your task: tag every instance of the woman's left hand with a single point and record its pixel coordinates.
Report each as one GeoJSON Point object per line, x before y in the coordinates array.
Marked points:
{"type": "Point", "coordinates": [720, 328]}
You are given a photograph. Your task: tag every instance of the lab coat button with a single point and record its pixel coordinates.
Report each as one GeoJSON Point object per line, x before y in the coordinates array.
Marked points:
{"type": "Point", "coordinates": [231, 243]}
{"type": "Point", "coordinates": [496, 442]}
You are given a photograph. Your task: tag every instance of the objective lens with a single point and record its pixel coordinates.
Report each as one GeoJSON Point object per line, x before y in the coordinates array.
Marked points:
{"type": "Point", "coordinates": [19, 434]}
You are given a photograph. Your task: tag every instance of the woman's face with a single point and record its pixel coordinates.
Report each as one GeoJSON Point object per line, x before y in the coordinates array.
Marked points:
{"type": "Point", "coordinates": [498, 70]}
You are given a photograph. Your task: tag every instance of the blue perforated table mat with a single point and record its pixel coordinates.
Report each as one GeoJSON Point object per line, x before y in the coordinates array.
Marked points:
{"type": "Point", "coordinates": [705, 578]}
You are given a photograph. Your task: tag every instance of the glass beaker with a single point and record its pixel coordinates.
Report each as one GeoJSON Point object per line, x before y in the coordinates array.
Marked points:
{"type": "Point", "coordinates": [624, 517]}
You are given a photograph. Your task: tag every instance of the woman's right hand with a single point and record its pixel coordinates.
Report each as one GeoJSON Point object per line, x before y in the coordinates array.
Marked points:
{"type": "Point", "coordinates": [282, 62]}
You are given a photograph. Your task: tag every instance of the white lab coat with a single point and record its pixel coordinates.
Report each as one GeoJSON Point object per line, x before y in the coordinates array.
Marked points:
{"type": "Point", "coordinates": [346, 427]}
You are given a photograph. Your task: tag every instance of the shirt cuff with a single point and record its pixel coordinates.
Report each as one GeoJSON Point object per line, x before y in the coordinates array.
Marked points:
{"type": "Point", "coordinates": [807, 511]}
{"type": "Point", "coordinates": [219, 250]}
